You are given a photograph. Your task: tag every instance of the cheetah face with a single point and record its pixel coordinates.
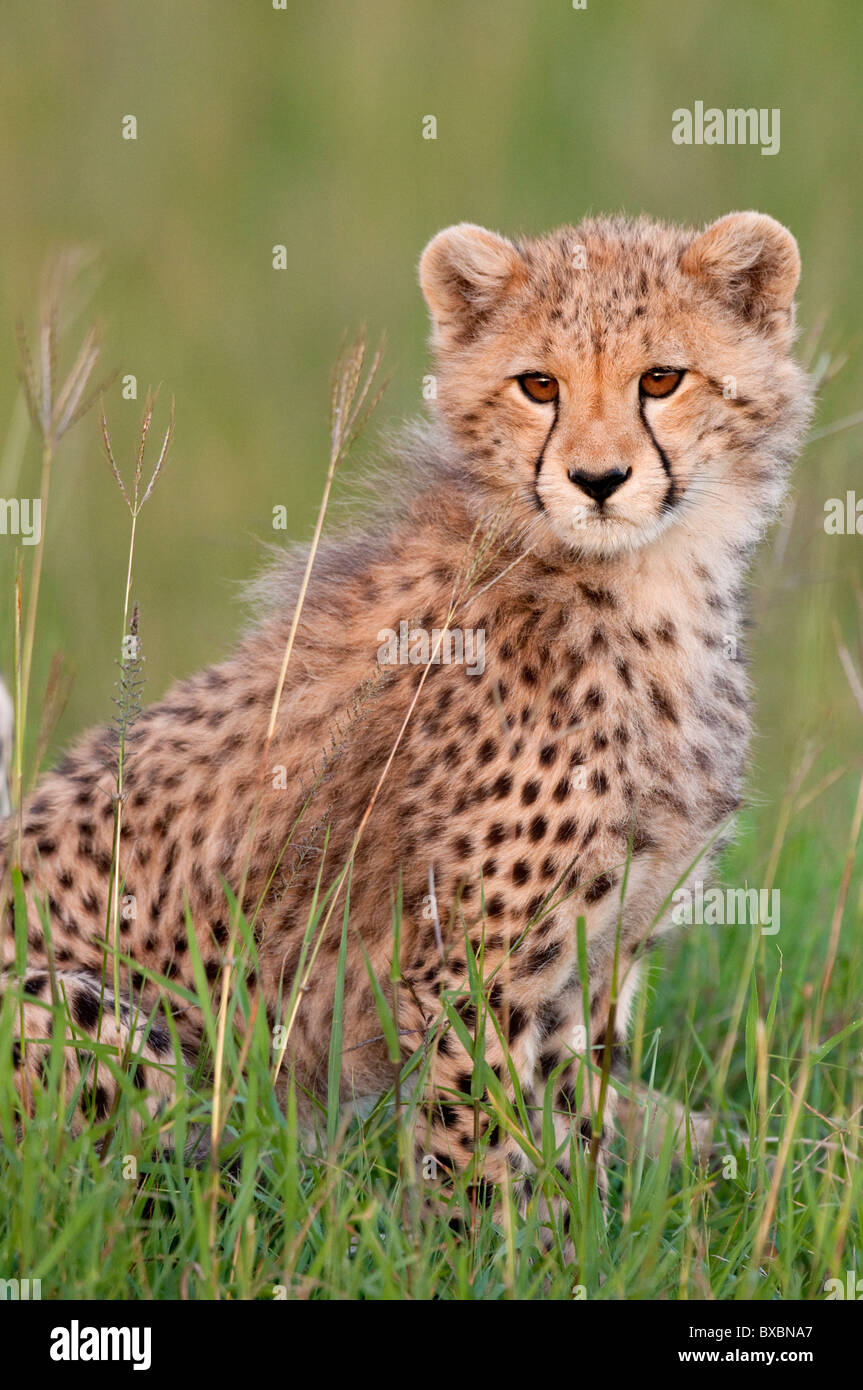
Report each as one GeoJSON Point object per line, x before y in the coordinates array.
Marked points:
{"type": "Point", "coordinates": [618, 378]}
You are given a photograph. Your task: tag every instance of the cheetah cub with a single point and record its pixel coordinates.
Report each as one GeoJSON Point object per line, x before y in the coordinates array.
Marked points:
{"type": "Point", "coordinates": [616, 408]}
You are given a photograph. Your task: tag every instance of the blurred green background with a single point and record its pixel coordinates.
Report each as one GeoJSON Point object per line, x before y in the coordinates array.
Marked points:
{"type": "Point", "coordinates": [304, 127]}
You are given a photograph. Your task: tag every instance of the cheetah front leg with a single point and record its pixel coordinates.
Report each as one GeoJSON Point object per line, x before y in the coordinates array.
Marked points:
{"type": "Point", "coordinates": [583, 1105]}
{"type": "Point", "coordinates": [461, 1136]}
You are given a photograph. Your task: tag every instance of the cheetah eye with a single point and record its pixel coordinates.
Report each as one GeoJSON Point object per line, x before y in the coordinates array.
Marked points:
{"type": "Point", "coordinates": [539, 387]}
{"type": "Point", "coordinates": [660, 381]}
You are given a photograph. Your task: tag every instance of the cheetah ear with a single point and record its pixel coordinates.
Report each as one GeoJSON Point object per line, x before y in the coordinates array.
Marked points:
{"type": "Point", "coordinates": [464, 271]}
{"type": "Point", "coordinates": [750, 260]}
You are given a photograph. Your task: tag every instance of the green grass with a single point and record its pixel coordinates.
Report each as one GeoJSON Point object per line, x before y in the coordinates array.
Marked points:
{"type": "Point", "coordinates": [309, 134]}
{"type": "Point", "coordinates": [351, 1220]}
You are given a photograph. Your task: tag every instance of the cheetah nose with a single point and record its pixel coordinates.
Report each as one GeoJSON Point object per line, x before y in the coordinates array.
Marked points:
{"type": "Point", "coordinates": [599, 486]}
